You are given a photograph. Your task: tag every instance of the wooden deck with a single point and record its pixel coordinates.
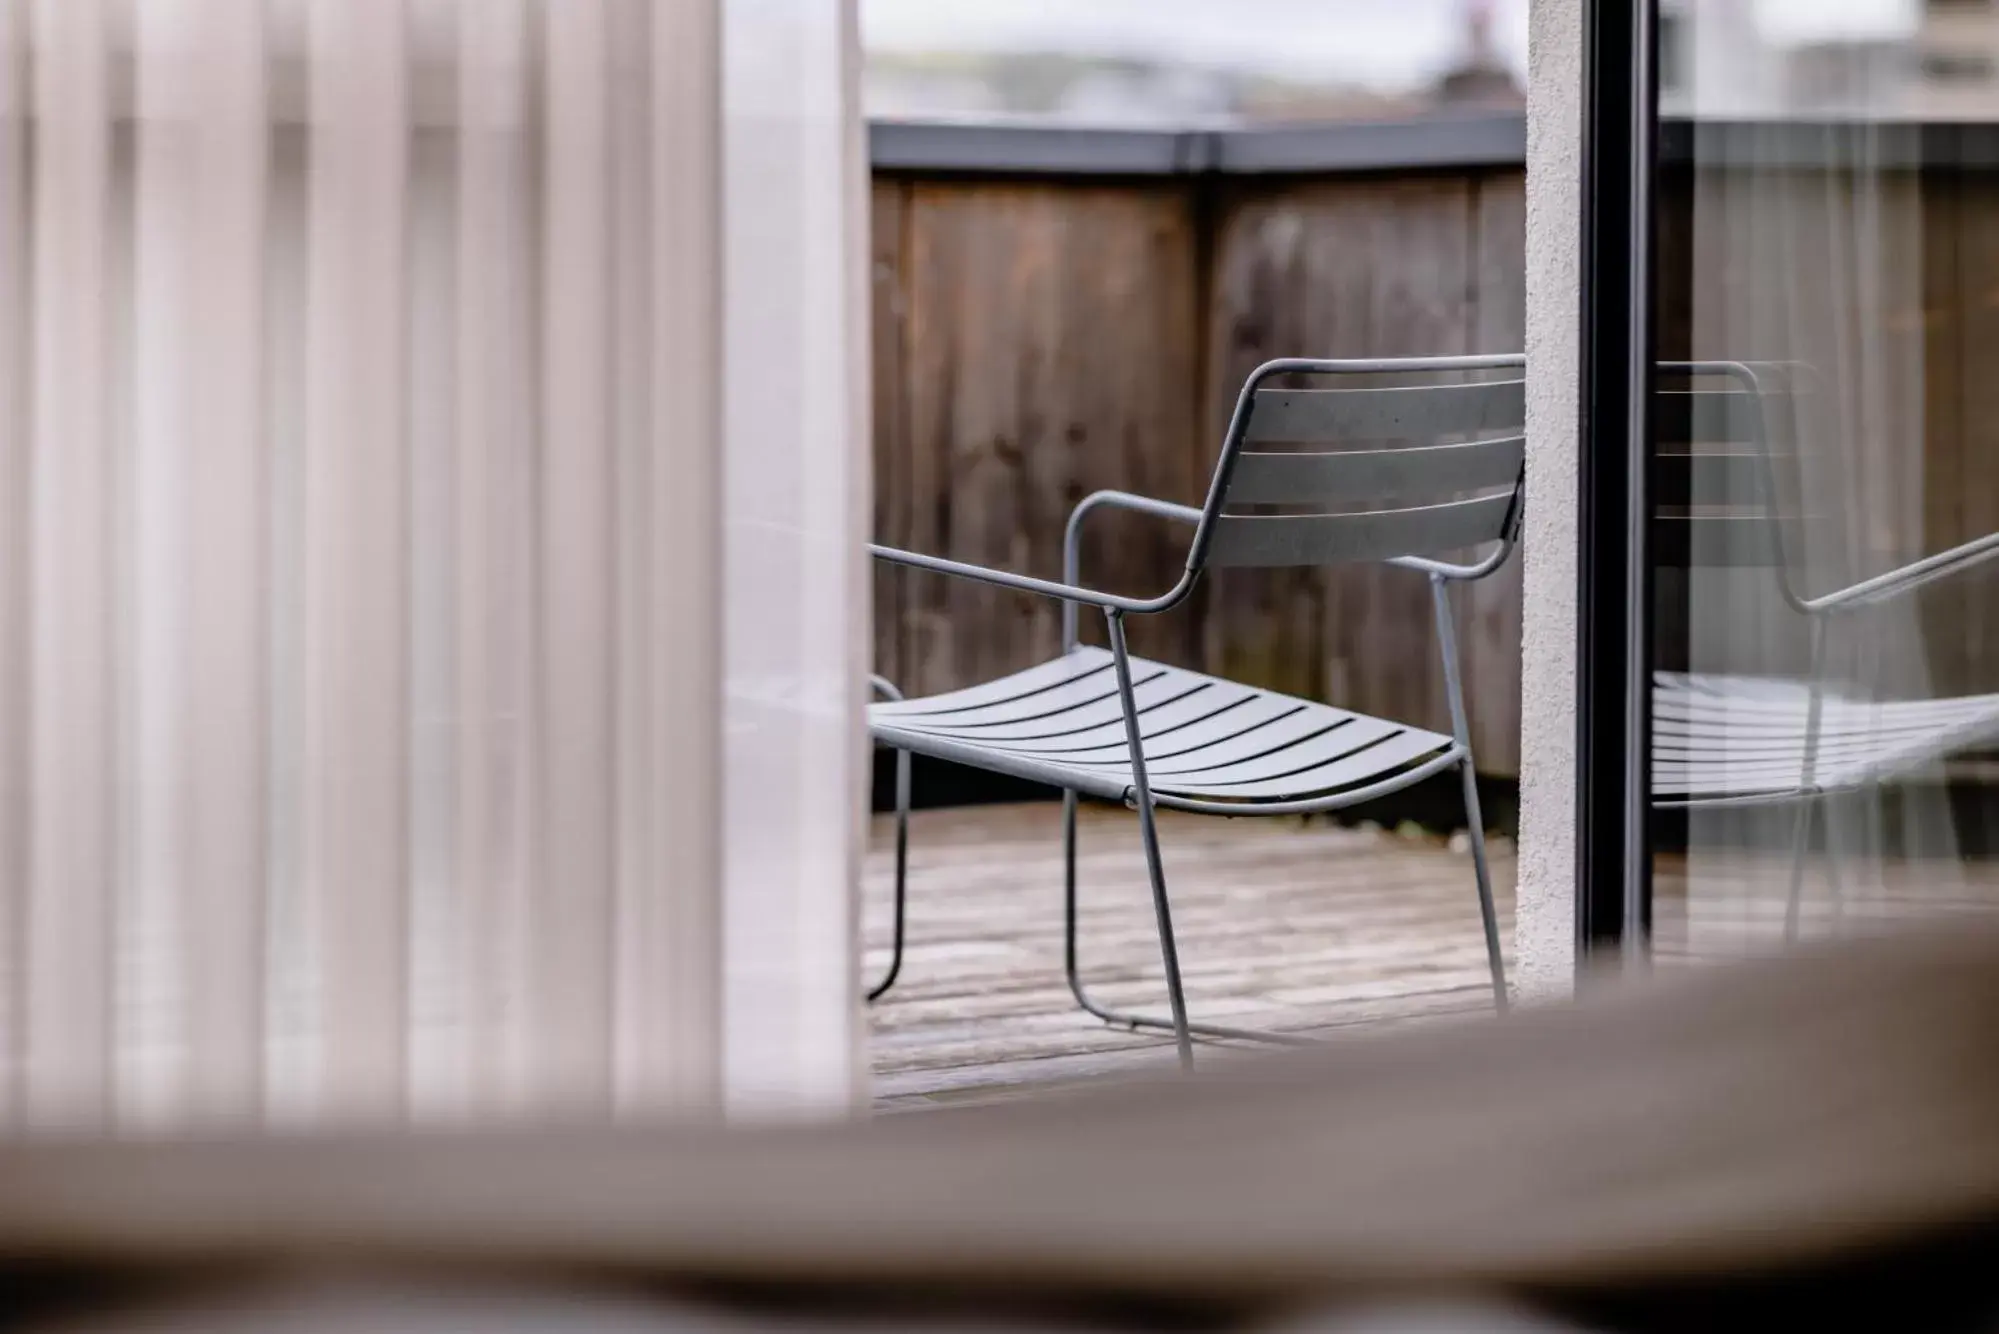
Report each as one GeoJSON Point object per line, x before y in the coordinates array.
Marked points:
{"type": "Point", "coordinates": [1283, 923]}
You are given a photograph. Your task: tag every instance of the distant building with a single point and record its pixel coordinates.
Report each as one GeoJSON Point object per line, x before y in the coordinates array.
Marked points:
{"type": "Point", "coordinates": [1479, 78]}
{"type": "Point", "coordinates": [1915, 59]}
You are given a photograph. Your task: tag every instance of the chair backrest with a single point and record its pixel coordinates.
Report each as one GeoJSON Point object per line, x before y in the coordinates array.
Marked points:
{"type": "Point", "coordinates": [1723, 433]}
{"type": "Point", "coordinates": [1312, 473]}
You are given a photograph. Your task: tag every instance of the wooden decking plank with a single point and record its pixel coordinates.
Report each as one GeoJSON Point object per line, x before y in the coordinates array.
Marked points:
{"type": "Point", "coordinates": [1283, 924]}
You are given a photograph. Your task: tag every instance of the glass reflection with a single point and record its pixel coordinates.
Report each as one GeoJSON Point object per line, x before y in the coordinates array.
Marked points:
{"type": "Point", "coordinates": [1826, 472]}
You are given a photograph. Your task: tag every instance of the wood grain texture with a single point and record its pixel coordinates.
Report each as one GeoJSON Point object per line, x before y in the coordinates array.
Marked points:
{"type": "Point", "coordinates": [1351, 268]}
{"type": "Point", "coordinates": [1046, 354]}
{"type": "Point", "coordinates": [1305, 926]}
{"type": "Point", "coordinates": [1977, 490]}
{"type": "Point", "coordinates": [1946, 394]}
{"type": "Point", "coordinates": [888, 220]}
{"type": "Point", "coordinates": [1283, 923]}
{"type": "Point", "coordinates": [1489, 610]}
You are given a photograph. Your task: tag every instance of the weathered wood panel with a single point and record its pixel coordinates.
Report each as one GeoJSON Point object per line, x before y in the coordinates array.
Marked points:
{"type": "Point", "coordinates": [1977, 482]}
{"type": "Point", "coordinates": [1046, 352]}
{"type": "Point", "coordinates": [1312, 927]}
{"type": "Point", "coordinates": [1945, 396]}
{"type": "Point", "coordinates": [1336, 269]}
{"type": "Point", "coordinates": [1422, 265]}
{"type": "Point", "coordinates": [893, 501]}
{"type": "Point", "coordinates": [1490, 609]}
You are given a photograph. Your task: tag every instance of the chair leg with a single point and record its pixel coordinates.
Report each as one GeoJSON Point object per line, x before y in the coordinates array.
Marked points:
{"type": "Point", "coordinates": [1148, 826]}
{"type": "Point", "coordinates": [1801, 838]}
{"type": "Point", "coordinates": [1488, 911]}
{"type": "Point", "coordinates": [1802, 835]}
{"type": "Point", "coordinates": [1867, 800]}
{"type": "Point", "coordinates": [1447, 647]}
{"type": "Point", "coordinates": [1835, 879]}
{"type": "Point", "coordinates": [901, 874]}
{"type": "Point", "coordinates": [1069, 964]}
{"type": "Point", "coordinates": [1169, 952]}
{"type": "Point", "coordinates": [1119, 1018]}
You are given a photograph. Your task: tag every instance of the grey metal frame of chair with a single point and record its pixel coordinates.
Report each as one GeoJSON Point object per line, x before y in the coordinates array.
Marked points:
{"type": "Point", "coordinates": [1321, 478]}
{"type": "Point", "coordinates": [1768, 548]}
{"type": "Point", "coordinates": [887, 690]}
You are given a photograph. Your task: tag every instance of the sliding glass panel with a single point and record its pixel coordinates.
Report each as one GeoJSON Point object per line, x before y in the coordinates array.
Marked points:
{"type": "Point", "coordinates": [1825, 469]}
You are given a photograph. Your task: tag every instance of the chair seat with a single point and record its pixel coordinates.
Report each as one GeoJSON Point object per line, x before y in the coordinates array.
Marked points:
{"type": "Point", "coordinates": [1206, 740]}
{"type": "Point", "coordinates": [1721, 738]}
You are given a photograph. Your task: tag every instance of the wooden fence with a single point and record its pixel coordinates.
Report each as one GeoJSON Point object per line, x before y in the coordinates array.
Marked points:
{"type": "Point", "coordinates": [1039, 338]}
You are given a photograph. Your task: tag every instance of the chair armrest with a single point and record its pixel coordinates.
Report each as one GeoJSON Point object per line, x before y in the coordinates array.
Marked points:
{"type": "Point", "coordinates": [1909, 577]}
{"type": "Point", "coordinates": [1443, 569]}
{"type": "Point", "coordinates": [1072, 539]}
{"type": "Point", "coordinates": [1069, 594]}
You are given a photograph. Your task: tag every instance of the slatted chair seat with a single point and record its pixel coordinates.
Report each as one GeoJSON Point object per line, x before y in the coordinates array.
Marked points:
{"type": "Point", "coordinates": [1206, 740]}
{"type": "Point", "coordinates": [1717, 736]}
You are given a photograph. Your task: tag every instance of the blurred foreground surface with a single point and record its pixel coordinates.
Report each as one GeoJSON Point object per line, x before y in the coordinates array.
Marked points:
{"type": "Point", "coordinates": [1732, 1147]}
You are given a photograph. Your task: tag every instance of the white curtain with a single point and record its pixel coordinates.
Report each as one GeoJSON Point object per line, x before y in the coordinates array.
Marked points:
{"type": "Point", "coordinates": [362, 643]}
{"type": "Point", "coordinates": [799, 506]}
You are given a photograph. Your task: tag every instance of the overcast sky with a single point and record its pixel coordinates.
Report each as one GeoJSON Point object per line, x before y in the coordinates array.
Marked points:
{"type": "Point", "coordinates": [1387, 44]}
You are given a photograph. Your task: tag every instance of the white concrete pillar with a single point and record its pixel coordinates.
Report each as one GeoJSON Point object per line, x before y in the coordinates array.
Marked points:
{"type": "Point", "coordinates": [1544, 921]}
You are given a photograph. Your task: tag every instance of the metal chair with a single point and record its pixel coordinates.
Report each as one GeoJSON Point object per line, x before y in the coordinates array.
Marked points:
{"type": "Point", "coordinates": [1726, 740]}
{"type": "Point", "coordinates": [1104, 724]}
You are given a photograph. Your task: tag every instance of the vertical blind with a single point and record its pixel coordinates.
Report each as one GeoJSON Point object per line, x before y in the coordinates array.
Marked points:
{"type": "Point", "coordinates": [362, 645]}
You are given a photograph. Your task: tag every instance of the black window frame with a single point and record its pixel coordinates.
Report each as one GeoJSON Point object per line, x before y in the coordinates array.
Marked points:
{"type": "Point", "coordinates": [1620, 127]}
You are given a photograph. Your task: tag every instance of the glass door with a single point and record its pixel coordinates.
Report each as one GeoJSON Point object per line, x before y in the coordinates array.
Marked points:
{"type": "Point", "coordinates": [1824, 461]}
{"type": "Point", "coordinates": [1809, 679]}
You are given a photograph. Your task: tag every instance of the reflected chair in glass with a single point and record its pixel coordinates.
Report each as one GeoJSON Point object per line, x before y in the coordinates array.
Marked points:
{"type": "Point", "coordinates": [1722, 740]}
{"type": "Point", "coordinates": [1305, 477]}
